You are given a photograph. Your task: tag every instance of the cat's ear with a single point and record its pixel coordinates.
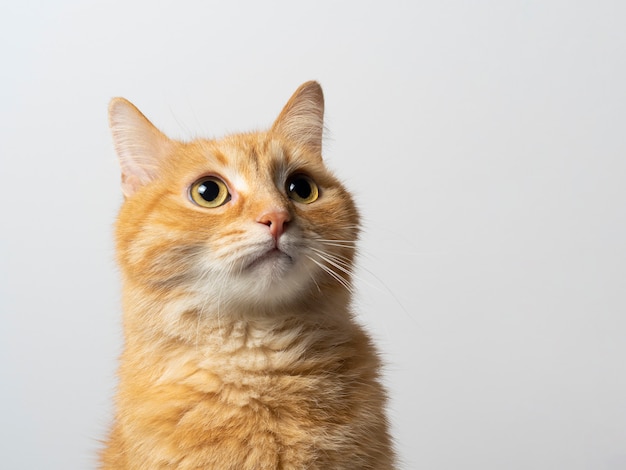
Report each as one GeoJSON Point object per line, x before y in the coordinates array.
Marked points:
{"type": "Point", "coordinates": [302, 118]}
{"type": "Point", "coordinates": [140, 146]}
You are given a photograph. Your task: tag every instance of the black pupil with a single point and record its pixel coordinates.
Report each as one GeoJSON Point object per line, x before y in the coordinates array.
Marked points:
{"type": "Point", "coordinates": [209, 190]}
{"type": "Point", "coordinates": [301, 187]}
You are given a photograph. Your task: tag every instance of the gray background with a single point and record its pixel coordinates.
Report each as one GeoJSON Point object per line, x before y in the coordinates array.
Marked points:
{"type": "Point", "coordinates": [485, 142]}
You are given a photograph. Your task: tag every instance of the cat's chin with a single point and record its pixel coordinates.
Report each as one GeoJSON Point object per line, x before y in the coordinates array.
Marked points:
{"type": "Point", "coordinates": [273, 276]}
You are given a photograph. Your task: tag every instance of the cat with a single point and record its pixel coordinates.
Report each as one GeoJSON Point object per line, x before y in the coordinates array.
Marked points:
{"type": "Point", "coordinates": [241, 350]}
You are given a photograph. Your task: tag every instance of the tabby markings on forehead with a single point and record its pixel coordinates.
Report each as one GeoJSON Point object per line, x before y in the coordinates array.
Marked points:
{"type": "Point", "coordinates": [219, 156]}
{"type": "Point", "coordinates": [275, 160]}
{"type": "Point", "coordinates": [231, 176]}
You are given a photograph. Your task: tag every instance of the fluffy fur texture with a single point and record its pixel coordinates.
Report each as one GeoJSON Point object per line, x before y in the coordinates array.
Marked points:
{"type": "Point", "coordinates": [241, 351]}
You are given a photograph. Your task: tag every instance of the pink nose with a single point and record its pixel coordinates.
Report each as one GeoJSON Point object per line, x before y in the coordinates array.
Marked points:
{"type": "Point", "coordinates": [276, 221]}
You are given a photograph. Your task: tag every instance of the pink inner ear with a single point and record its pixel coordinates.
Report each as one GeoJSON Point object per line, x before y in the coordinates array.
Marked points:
{"type": "Point", "coordinates": [302, 118]}
{"type": "Point", "coordinates": [130, 184]}
{"type": "Point", "coordinates": [140, 146]}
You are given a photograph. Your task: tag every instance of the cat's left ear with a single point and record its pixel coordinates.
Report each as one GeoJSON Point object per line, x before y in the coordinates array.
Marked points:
{"type": "Point", "coordinates": [140, 146]}
{"type": "Point", "coordinates": [302, 119]}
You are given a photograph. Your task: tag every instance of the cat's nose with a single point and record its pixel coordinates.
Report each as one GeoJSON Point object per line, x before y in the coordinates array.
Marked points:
{"type": "Point", "coordinates": [276, 221]}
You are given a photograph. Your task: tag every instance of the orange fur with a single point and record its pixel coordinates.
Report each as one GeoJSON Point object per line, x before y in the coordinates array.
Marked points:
{"type": "Point", "coordinates": [241, 351]}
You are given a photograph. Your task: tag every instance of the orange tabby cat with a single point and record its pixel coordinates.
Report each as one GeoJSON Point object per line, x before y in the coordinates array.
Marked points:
{"type": "Point", "coordinates": [241, 351]}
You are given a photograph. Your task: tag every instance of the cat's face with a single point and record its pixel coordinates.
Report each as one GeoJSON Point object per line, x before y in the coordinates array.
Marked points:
{"type": "Point", "coordinates": [251, 219]}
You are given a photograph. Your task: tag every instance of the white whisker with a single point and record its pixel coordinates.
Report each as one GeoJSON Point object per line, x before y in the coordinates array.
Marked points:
{"type": "Point", "coordinates": [348, 243]}
{"type": "Point", "coordinates": [342, 264]}
{"type": "Point", "coordinates": [334, 261]}
{"type": "Point", "coordinates": [340, 279]}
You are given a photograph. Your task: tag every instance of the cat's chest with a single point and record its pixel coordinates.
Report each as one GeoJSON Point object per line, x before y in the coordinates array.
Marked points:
{"type": "Point", "coordinates": [237, 378]}
{"type": "Point", "coordinates": [282, 394]}
{"type": "Point", "coordinates": [236, 405]}
{"type": "Point", "coordinates": [254, 389]}
{"type": "Point", "coordinates": [243, 365]}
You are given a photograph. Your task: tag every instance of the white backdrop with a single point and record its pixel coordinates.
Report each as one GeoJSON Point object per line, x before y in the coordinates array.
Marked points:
{"type": "Point", "coordinates": [486, 145]}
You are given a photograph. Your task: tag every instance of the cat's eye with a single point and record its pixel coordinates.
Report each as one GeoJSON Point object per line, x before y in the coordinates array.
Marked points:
{"type": "Point", "coordinates": [302, 189]}
{"type": "Point", "coordinates": [209, 192]}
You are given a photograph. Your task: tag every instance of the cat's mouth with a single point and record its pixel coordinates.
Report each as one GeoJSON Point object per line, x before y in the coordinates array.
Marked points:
{"type": "Point", "coordinates": [274, 258]}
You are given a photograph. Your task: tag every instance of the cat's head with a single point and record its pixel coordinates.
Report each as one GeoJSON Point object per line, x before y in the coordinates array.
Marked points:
{"type": "Point", "coordinates": [251, 219]}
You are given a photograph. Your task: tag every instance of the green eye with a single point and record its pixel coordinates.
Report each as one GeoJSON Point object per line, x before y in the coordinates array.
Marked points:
{"type": "Point", "coordinates": [209, 192]}
{"type": "Point", "coordinates": [302, 189]}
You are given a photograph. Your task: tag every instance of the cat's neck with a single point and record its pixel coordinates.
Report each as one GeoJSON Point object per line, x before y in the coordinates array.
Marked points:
{"type": "Point", "coordinates": [150, 316]}
{"type": "Point", "coordinates": [177, 339]}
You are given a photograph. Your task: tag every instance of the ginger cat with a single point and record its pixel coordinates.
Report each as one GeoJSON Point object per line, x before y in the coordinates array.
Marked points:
{"type": "Point", "coordinates": [241, 350]}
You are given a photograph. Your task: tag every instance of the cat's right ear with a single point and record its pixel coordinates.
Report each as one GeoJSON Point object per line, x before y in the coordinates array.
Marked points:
{"type": "Point", "coordinates": [302, 118]}
{"type": "Point", "coordinates": [140, 146]}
